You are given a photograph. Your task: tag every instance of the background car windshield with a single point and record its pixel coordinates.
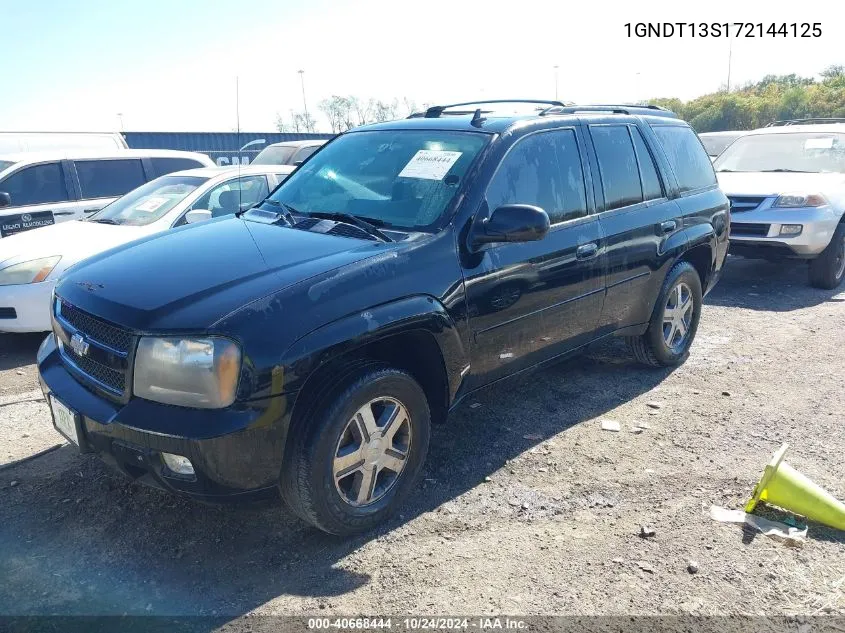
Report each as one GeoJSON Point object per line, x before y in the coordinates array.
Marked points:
{"type": "Point", "coordinates": [151, 201]}
{"type": "Point", "coordinates": [405, 179]}
{"type": "Point", "coordinates": [5, 164]}
{"type": "Point", "coordinates": [715, 145]}
{"type": "Point", "coordinates": [275, 155]}
{"type": "Point", "coordinates": [810, 152]}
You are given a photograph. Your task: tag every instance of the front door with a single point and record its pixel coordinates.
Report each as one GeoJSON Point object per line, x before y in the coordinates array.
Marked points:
{"type": "Point", "coordinates": [40, 194]}
{"type": "Point", "coordinates": [531, 301]}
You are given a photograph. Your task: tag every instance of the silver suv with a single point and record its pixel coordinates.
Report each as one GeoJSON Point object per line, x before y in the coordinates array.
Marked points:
{"type": "Point", "coordinates": [786, 184]}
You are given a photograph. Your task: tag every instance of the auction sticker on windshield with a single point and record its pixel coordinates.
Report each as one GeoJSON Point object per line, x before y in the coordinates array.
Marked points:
{"type": "Point", "coordinates": [151, 205]}
{"type": "Point", "coordinates": [430, 164]}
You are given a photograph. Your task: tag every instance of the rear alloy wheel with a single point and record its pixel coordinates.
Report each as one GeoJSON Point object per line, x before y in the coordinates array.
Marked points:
{"type": "Point", "coordinates": [355, 455]}
{"type": "Point", "coordinates": [828, 269]}
{"type": "Point", "coordinates": [673, 322]}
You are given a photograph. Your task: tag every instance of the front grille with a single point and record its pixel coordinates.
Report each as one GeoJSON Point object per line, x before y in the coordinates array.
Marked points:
{"type": "Point", "coordinates": [747, 229]}
{"type": "Point", "coordinates": [740, 204]}
{"type": "Point", "coordinates": [97, 329]}
{"type": "Point", "coordinates": [112, 378]}
{"type": "Point", "coordinates": [105, 363]}
{"type": "Point", "coordinates": [8, 313]}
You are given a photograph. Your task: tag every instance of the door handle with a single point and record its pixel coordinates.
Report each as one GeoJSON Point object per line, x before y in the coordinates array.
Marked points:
{"type": "Point", "coordinates": [587, 251]}
{"type": "Point", "coordinates": [668, 226]}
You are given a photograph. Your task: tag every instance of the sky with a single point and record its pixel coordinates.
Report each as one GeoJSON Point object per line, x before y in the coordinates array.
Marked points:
{"type": "Point", "coordinates": [173, 65]}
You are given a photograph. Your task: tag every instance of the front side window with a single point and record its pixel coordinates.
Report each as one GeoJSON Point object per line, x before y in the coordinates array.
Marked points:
{"type": "Point", "coordinates": [233, 196]}
{"type": "Point", "coordinates": [618, 165]}
{"type": "Point", "coordinates": [793, 151]}
{"type": "Point", "coordinates": [149, 202]}
{"type": "Point", "coordinates": [109, 178]}
{"type": "Point", "coordinates": [38, 184]}
{"type": "Point", "coordinates": [399, 178]}
{"type": "Point", "coordinates": [687, 157]}
{"type": "Point", "coordinates": [543, 170]}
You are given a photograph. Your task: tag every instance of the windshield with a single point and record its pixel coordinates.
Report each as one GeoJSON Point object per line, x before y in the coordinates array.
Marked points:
{"type": "Point", "coordinates": [715, 145]}
{"type": "Point", "coordinates": [275, 155]}
{"type": "Point", "coordinates": [149, 202]}
{"type": "Point", "coordinates": [5, 164]}
{"type": "Point", "coordinates": [401, 178]}
{"type": "Point", "coordinates": [798, 151]}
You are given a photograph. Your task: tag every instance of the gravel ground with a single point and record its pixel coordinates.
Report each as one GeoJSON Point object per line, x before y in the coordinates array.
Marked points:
{"type": "Point", "coordinates": [527, 506]}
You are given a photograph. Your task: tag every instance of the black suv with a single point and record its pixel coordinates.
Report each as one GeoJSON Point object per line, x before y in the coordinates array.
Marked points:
{"type": "Point", "coordinates": [308, 344]}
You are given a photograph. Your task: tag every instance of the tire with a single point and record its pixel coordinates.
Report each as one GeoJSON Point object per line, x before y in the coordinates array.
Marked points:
{"type": "Point", "coordinates": [828, 269]}
{"type": "Point", "coordinates": [330, 431]}
{"type": "Point", "coordinates": [652, 348]}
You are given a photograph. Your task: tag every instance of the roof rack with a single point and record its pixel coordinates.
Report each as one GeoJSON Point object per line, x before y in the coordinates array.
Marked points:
{"type": "Point", "coordinates": [436, 111]}
{"type": "Point", "coordinates": [813, 121]}
{"type": "Point", "coordinates": [648, 109]}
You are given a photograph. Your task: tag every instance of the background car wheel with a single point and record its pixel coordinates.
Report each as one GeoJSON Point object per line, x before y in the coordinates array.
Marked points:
{"type": "Point", "coordinates": [828, 269]}
{"type": "Point", "coordinates": [674, 321]}
{"type": "Point", "coordinates": [355, 459]}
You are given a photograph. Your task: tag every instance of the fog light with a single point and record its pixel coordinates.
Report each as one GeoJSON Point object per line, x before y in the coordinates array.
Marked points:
{"type": "Point", "coordinates": [791, 229]}
{"type": "Point", "coordinates": [178, 464]}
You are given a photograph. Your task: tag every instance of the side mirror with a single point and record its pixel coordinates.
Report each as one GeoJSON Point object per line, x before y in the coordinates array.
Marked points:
{"type": "Point", "coordinates": [513, 223]}
{"type": "Point", "coordinates": [5, 199]}
{"type": "Point", "coordinates": [197, 215]}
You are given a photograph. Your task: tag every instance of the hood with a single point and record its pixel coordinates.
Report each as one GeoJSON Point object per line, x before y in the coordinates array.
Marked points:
{"type": "Point", "coordinates": [73, 240]}
{"type": "Point", "coordinates": [187, 279]}
{"type": "Point", "coordinates": [754, 183]}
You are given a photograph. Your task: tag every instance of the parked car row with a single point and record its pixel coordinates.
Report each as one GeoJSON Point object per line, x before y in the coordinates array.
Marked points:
{"type": "Point", "coordinates": [304, 338]}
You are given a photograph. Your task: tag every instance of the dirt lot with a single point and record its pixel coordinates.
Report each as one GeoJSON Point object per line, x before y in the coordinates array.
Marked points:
{"type": "Point", "coordinates": [527, 505]}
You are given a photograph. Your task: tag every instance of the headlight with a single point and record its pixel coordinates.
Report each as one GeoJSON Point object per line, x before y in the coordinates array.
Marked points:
{"type": "Point", "coordinates": [30, 272]}
{"type": "Point", "coordinates": [189, 372]}
{"type": "Point", "coordinates": [791, 201]}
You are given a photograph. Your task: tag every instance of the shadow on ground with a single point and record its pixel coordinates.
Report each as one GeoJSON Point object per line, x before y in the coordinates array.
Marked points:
{"type": "Point", "coordinates": [18, 350]}
{"type": "Point", "coordinates": [756, 284]}
{"type": "Point", "coordinates": [77, 539]}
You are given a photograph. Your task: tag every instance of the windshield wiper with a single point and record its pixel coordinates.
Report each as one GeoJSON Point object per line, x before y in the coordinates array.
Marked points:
{"type": "Point", "coordinates": [286, 215]}
{"type": "Point", "coordinates": [788, 171]}
{"type": "Point", "coordinates": [348, 218]}
{"type": "Point", "coordinates": [104, 221]}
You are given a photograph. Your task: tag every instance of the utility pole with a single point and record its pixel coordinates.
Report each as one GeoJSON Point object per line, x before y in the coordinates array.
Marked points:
{"type": "Point", "coordinates": [304, 102]}
{"type": "Point", "coordinates": [120, 116]}
{"type": "Point", "coordinates": [556, 67]}
{"type": "Point", "coordinates": [730, 51]}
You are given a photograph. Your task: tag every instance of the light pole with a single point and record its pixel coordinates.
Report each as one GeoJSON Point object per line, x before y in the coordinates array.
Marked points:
{"type": "Point", "coordinates": [304, 102]}
{"type": "Point", "coordinates": [556, 82]}
{"type": "Point", "coordinates": [730, 51]}
{"type": "Point", "coordinates": [120, 116]}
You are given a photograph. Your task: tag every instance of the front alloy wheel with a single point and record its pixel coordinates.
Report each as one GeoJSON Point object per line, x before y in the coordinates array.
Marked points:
{"type": "Point", "coordinates": [372, 451]}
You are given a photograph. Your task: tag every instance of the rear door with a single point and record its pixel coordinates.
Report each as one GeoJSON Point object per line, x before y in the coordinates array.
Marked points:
{"type": "Point", "coordinates": [637, 218]}
{"type": "Point", "coordinates": [103, 180]}
{"type": "Point", "coordinates": [529, 302]}
{"type": "Point", "coordinates": [41, 194]}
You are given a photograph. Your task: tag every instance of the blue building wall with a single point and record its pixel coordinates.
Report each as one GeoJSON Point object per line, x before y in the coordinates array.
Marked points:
{"type": "Point", "coordinates": [225, 148]}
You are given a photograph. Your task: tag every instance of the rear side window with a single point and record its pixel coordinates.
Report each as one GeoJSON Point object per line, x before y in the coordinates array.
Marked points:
{"type": "Point", "coordinates": [164, 166]}
{"type": "Point", "coordinates": [109, 178]}
{"type": "Point", "coordinates": [652, 188]}
{"type": "Point", "coordinates": [304, 153]}
{"type": "Point", "coordinates": [689, 161]}
{"type": "Point", "coordinates": [544, 170]}
{"type": "Point", "coordinates": [620, 175]}
{"type": "Point", "coordinates": [39, 184]}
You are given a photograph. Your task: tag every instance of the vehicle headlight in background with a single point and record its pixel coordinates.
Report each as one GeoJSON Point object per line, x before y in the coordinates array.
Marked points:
{"type": "Point", "coordinates": [190, 372]}
{"type": "Point", "coordinates": [793, 200]}
{"type": "Point", "coordinates": [30, 272]}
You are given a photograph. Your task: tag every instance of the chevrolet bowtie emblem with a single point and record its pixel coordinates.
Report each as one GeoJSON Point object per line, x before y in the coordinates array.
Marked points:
{"type": "Point", "coordinates": [78, 344]}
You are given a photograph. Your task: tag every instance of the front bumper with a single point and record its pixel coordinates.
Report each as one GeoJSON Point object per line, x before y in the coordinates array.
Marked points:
{"type": "Point", "coordinates": [758, 231]}
{"type": "Point", "coordinates": [235, 452]}
{"type": "Point", "coordinates": [31, 306]}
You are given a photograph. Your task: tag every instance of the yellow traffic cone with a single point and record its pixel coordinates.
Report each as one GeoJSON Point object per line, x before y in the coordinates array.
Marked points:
{"type": "Point", "coordinates": [783, 486]}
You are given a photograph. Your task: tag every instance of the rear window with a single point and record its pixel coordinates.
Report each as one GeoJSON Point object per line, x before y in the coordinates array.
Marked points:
{"type": "Point", "coordinates": [109, 178]}
{"type": "Point", "coordinates": [687, 157]}
{"type": "Point", "coordinates": [164, 166]}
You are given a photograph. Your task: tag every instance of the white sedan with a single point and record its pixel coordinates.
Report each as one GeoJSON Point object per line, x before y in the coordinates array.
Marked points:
{"type": "Point", "coordinates": [31, 262]}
